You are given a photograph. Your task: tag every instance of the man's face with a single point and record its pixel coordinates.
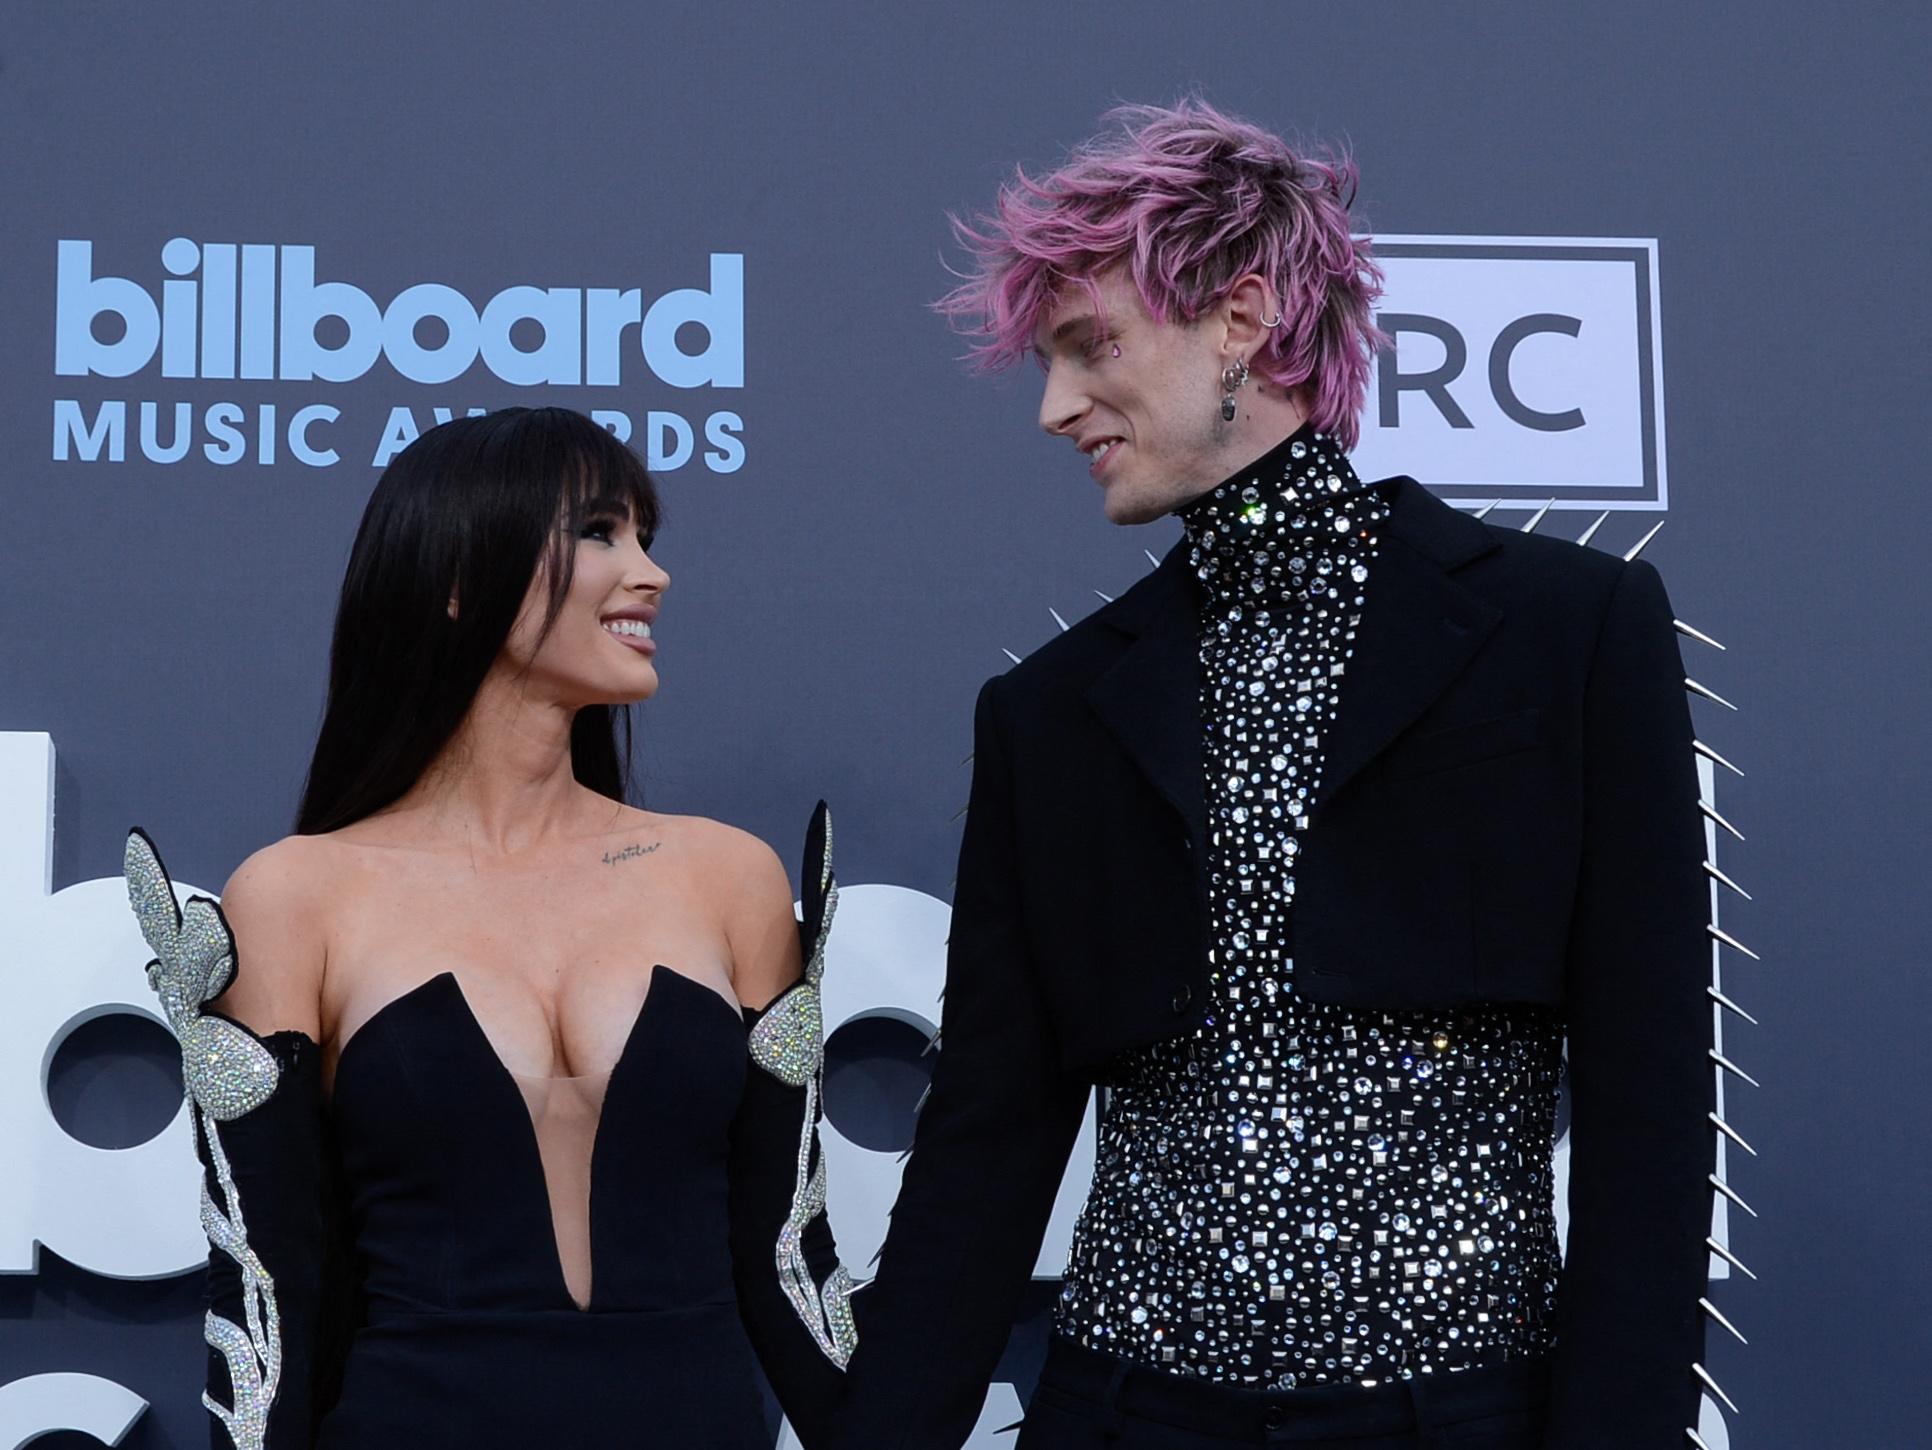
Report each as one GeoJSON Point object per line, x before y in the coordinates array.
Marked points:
{"type": "Point", "coordinates": [1140, 399]}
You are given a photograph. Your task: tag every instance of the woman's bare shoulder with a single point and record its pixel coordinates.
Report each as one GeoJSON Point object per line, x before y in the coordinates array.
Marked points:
{"type": "Point", "coordinates": [752, 897]}
{"type": "Point", "coordinates": [734, 862]}
{"type": "Point", "coordinates": [273, 904]}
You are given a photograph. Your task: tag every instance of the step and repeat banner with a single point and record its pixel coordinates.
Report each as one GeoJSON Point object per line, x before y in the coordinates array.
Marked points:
{"type": "Point", "coordinates": [248, 257]}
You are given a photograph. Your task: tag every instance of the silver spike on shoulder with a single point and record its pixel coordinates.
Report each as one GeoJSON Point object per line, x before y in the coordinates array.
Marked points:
{"type": "Point", "coordinates": [1731, 941]}
{"type": "Point", "coordinates": [1151, 560]}
{"type": "Point", "coordinates": [1730, 1006]}
{"type": "Point", "coordinates": [1731, 1193]}
{"type": "Point", "coordinates": [1009, 654]}
{"type": "Point", "coordinates": [1696, 1439]}
{"type": "Point", "coordinates": [1064, 626]}
{"type": "Point", "coordinates": [1487, 509]}
{"type": "Point", "coordinates": [1105, 597]}
{"type": "Point", "coordinates": [1712, 814]}
{"type": "Point", "coordinates": [1731, 1067]}
{"type": "Point", "coordinates": [1712, 1310]}
{"type": "Point", "coordinates": [1707, 693]}
{"type": "Point", "coordinates": [1732, 1133]}
{"type": "Point", "coordinates": [1638, 547]}
{"type": "Point", "coordinates": [1697, 634]}
{"type": "Point", "coordinates": [1730, 1258]}
{"type": "Point", "coordinates": [1713, 1386]}
{"type": "Point", "coordinates": [1591, 532]}
{"type": "Point", "coordinates": [1711, 870]}
{"type": "Point", "coordinates": [1709, 754]}
{"type": "Point", "coordinates": [1537, 517]}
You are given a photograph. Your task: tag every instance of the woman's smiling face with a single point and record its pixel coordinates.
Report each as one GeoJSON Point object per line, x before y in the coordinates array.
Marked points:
{"type": "Point", "coordinates": [601, 650]}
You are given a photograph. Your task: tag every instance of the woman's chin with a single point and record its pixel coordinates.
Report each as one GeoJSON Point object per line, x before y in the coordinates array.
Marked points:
{"type": "Point", "coordinates": [629, 692]}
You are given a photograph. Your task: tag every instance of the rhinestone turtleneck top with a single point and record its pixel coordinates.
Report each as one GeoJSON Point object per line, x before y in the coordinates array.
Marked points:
{"type": "Point", "coordinates": [1297, 1193]}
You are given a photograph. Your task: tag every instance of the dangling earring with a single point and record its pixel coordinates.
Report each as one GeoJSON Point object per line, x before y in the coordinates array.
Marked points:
{"type": "Point", "coordinates": [1232, 377]}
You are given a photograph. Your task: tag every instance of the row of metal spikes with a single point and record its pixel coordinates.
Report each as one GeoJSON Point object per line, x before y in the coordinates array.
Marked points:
{"type": "Point", "coordinates": [1723, 1063]}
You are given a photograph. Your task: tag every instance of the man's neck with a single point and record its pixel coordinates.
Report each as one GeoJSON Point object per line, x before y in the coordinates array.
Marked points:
{"type": "Point", "coordinates": [1262, 424]}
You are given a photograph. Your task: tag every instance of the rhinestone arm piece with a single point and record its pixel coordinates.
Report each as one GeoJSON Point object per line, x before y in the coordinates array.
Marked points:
{"type": "Point", "coordinates": [785, 1257]}
{"type": "Point", "coordinates": [254, 1112]}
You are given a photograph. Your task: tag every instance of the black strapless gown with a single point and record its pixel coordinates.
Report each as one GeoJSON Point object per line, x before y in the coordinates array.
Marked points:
{"type": "Point", "coordinates": [385, 1269]}
{"type": "Point", "coordinates": [468, 1334]}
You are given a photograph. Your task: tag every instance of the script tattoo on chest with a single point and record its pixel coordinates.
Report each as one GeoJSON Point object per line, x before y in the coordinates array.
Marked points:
{"type": "Point", "coordinates": [630, 853]}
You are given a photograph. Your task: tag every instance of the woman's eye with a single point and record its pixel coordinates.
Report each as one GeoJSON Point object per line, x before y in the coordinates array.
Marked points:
{"type": "Point", "coordinates": [599, 529]}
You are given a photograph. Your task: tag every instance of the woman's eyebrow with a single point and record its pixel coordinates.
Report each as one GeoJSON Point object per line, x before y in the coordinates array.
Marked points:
{"type": "Point", "coordinates": [605, 504]}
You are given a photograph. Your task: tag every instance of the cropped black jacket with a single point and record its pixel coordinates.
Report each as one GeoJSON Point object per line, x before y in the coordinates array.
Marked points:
{"type": "Point", "coordinates": [1509, 814]}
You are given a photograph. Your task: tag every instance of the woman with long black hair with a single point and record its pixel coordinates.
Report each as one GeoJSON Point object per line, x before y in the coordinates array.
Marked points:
{"type": "Point", "coordinates": [505, 1090]}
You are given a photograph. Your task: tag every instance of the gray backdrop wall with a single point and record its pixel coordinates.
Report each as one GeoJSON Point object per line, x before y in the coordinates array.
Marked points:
{"type": "Point", "coordinates": [891, 524]}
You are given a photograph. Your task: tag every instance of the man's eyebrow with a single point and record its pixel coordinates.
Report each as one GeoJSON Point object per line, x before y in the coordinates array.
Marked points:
{"type": "Point", "coordinates": [1084, 319]}
{"type": "Point", "coordinates": [1075, 324]}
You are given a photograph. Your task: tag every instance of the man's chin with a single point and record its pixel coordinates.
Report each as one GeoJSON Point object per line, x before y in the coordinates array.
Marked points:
{"type": "Point", "coordinates": [1122, 507]}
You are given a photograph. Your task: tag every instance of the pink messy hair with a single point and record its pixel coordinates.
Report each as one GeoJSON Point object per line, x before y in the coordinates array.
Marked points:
{"type": "Point", "coordinates": [1190, 200]}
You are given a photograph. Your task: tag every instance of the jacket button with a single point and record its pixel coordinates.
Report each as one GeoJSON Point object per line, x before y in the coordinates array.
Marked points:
{"type": "Point", "coordinates": [1183, 997]}
{"type": "Point", "coordinates": [1275, 1418]}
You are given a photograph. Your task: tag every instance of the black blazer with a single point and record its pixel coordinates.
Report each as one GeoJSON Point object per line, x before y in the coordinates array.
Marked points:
{"type": "Point", "coordinates": [1508, 813]}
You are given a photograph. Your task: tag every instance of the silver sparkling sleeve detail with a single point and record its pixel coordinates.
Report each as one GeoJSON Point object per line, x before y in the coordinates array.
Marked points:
{"type": "Point", "coordinates": [789, 1043]}
{"type": "Point", "coordinates": [227, 1072]}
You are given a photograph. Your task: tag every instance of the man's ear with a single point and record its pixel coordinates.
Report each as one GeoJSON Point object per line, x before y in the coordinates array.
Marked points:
{"type": "Point", "coordinates": [1247, 310]}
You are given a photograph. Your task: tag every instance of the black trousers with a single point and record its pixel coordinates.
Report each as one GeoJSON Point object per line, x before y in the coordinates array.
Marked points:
{"type": "Point", "coordinates": [1092, 1401]}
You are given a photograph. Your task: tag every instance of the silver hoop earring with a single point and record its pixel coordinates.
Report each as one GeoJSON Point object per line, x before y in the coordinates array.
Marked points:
{"type": "Point", "coordinates": [1276, 323]}
{"type": "Point", "coordinates": [1232, 377]}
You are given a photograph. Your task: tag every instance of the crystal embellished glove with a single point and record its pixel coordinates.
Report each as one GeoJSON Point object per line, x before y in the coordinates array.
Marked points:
{"type": "Point", "coordinates": [268, 1203]}
{"type": "Point", "coordinates": [792, 1291]}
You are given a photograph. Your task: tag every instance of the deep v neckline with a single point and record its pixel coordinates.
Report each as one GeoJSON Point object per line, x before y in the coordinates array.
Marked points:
{"type": "Point", "coordinates": [578, 1229]}
{"type": "Point", "coordinates": [448, 984]}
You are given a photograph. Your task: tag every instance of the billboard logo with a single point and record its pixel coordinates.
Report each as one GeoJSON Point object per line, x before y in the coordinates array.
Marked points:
{"type": "Point", "coordinates": [1522, 368]}
{"type": "Point", "coordinates": [255, 314]}
{"type": "Point", "coordinates": [258, 312]}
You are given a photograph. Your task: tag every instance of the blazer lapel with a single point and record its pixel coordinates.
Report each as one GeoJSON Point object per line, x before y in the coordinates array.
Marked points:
{"type": "Point", "coordinates": [1419, 630]}
{"type": "Point", "coordinates": [1150, 698]}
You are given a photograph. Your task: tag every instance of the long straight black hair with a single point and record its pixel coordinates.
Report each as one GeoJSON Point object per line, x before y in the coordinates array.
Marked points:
{"type": "Point", "coordinates": [469, 510]}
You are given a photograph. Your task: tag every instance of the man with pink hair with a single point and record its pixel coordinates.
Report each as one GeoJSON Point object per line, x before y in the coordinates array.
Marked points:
{"type": "Point", "coordinates": [1310, 851]}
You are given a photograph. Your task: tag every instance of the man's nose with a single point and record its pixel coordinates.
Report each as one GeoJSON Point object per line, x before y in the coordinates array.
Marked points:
{"type": "Point", "coordinates": [1062, 405]}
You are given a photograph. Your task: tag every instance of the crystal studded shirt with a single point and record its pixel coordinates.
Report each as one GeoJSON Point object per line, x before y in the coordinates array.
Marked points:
{"type": "Point", "coordinates": [1297, 1193]}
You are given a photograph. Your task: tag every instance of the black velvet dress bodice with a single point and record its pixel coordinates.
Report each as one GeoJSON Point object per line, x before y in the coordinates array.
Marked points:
{"type": "Point", "coordinates": [445, 1252]}
{"type": "Point", "coordinates": [465, 1310]}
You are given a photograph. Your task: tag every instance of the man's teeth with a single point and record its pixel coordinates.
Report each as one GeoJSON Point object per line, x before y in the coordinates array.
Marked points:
{"type": "Point", "coordinates": [1102, 451]}
{"type": "Point", "coordinates": [635, 627]}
